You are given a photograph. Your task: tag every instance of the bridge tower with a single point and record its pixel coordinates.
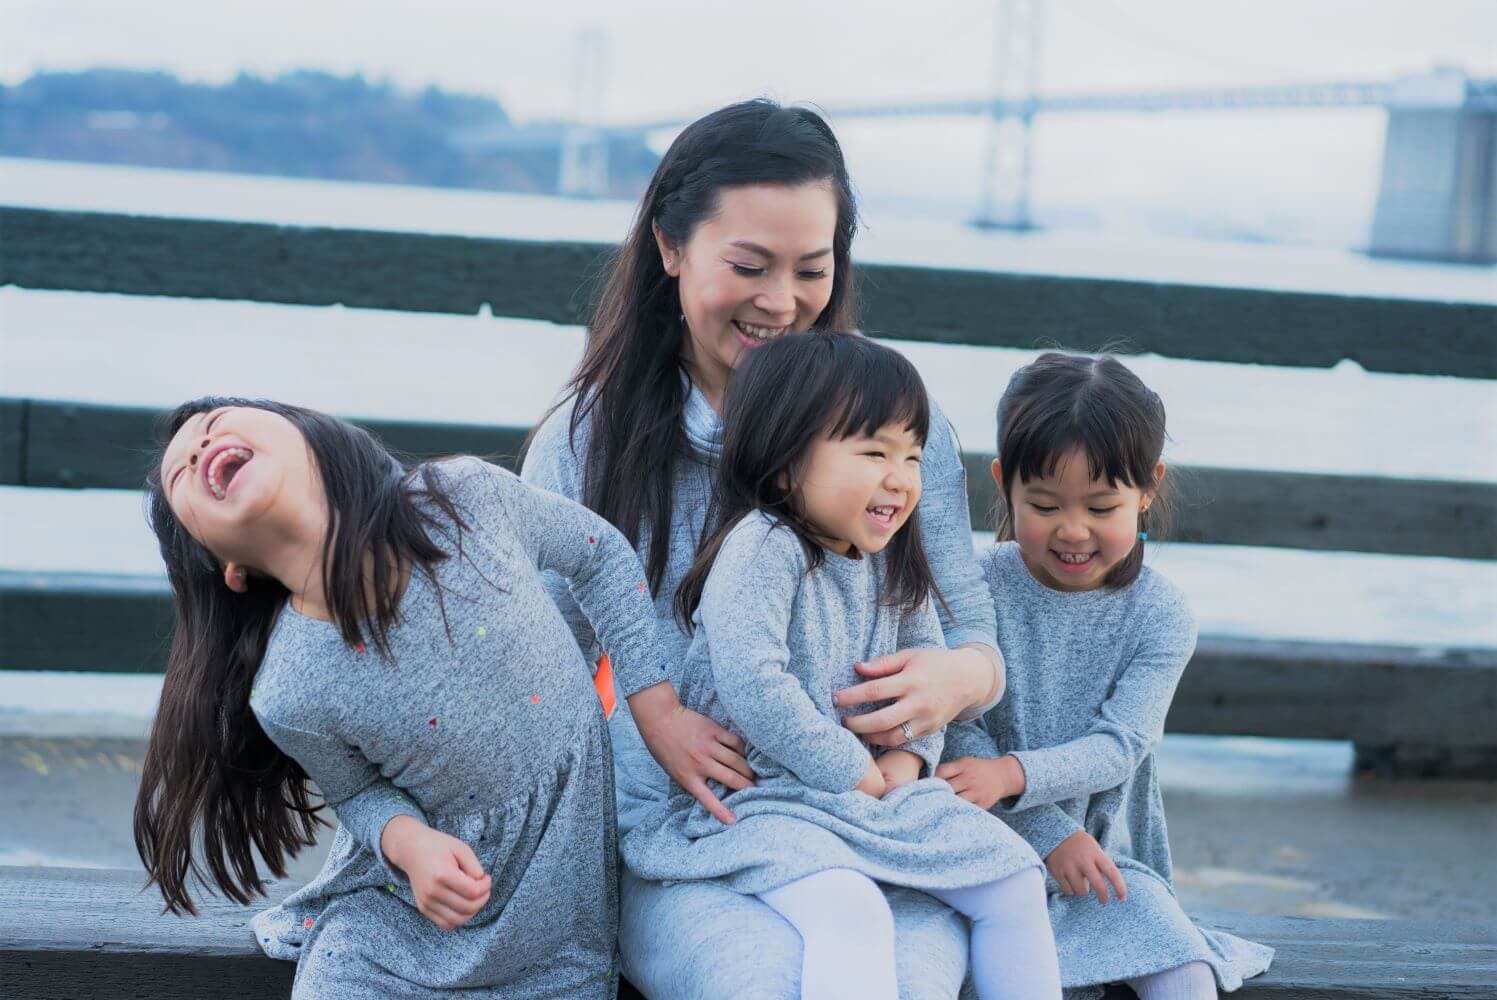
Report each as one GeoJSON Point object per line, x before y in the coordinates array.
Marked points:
{"type": "Point", "coordinates": [584, 145]}
{"type": "Point", "coordinates": [1008, 157]}
{"type": "Point", "coordinates": [1438, 196]}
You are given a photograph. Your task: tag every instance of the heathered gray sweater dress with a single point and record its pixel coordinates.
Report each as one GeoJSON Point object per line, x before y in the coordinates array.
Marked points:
{"type": "Point", "coordinates": [487, 728]}
{"type": "Point", "coordinates": [772, 642]}
{"type": "Point", "coordinates": [1090, 680]}
{"type": "Point", "coordinates": [701, 939]}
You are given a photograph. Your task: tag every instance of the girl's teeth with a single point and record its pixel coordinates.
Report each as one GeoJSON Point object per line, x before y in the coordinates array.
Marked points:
{"type": "Point", "coordinates": [1073, 558]}
{"type": "Point", "coordinates": [215, 473]}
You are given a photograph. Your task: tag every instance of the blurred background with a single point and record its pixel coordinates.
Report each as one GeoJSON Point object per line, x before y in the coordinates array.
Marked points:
{"type": "Point", "coordinates": [1341, 148]}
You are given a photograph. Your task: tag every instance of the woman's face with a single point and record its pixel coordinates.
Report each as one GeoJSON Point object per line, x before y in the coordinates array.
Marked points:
{"type": "Point", "coordinates": [232, 474]}
{"type": "Point", "coordinates": [759, 268]}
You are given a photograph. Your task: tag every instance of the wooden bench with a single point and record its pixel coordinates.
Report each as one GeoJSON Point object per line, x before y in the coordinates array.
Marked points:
{"type": "Point", "coordinates": [85, 933]}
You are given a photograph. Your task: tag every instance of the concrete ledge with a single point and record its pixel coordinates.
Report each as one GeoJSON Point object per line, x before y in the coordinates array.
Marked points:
{"type": "Point", "coordinates": [86, 933]}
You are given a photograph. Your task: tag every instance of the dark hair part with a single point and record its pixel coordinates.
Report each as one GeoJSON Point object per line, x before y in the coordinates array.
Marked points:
{"type": "Point", "coordinates": [209, 770]}
{"type": "Point", "coordinates": [1065, 402]}
{"type": "Point", "coordinates": [781, 399]}
{"type": "Point", "coordinates": [631, 379]}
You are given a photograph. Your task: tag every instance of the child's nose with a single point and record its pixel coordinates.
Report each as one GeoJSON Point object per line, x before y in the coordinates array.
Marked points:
{"type": "Point", "coordinates": [1072, 530]}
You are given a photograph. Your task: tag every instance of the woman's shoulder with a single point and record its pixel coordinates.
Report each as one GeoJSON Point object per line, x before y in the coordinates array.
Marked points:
{"type": "Point", "coordinates": [556, 451]}
{"type": "Point", "coordinates": [1000, 564]}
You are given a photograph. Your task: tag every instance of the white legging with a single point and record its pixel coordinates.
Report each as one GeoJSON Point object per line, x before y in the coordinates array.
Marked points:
{"type": "Point", "coordinates": [847, 935]}
{"type": "Point", "coordinates": [1192, 981]}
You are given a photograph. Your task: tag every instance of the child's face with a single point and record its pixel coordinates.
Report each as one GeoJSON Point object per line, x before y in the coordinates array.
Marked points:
{"type": "Point", "coordinates": [857, 492]}
{"type": "Point", "coordinates": [235, 476]}
{"type": "Point", "coordinates": [758, 269]}
{"type": "Point", "coordinates": [1072, 529]}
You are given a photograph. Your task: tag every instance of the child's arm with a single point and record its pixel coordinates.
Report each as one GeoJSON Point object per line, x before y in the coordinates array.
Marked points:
{"type": "Point", "coordinates": [1125, 730]}
{"type": "Point", "coordinates": [552, 462]}
{"type": "Point", "coordinates": [446, 879]}
{"type": "Point", "coordinates": [603, 576]}
{"type": "Point", "coordinates": [970, 748]}
{"type": "Point", "coordinates": [602, 571]}
{"type": "Point", "coordinates": [746, 611]}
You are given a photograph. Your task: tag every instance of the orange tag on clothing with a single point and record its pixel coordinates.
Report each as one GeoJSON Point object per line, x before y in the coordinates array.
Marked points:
{"type": "Point", "coordinates": [603, 681]}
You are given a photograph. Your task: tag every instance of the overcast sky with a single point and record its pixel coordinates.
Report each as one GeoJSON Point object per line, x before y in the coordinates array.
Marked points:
{"type": "Point", "coordinates": [669, 57]}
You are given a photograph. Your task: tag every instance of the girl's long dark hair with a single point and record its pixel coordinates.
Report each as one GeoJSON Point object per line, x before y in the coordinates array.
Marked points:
{"type": "Point", "coordinates": [780, 400]}
{"type": "Point", "coordinates": [631, 379]}
{"type": "Point", "coordinates": [1063, 402]}
{"type": "Point", "coordinates": [210, 772]}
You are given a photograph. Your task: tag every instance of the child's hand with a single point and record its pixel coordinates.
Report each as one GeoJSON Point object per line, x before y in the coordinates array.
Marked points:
{"type": "Point", "coordinates": [1081, 866]}
{"type": "Point", "coordinates": [449, 884]}
{"type": "Point", "coordinates": [691, 747]}
{"type": "Point", "coordinates": [873, 782]}
{"type": "Point", "coordinates": [983, 781]}
{"type": "Point", "coordinates": [899, 767]}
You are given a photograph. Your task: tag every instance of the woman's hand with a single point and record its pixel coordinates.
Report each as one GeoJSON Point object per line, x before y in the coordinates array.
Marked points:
{"type": "Point", "coordinates": [1081, 866]}
{"type": "Point", "coordinates": [982, 781]}
{"type": "Point", "coordinates": [690, 747]}
{"type": "Point", "coordinates": [872, 782]}
{"type": "Point", "coordinates": [449, 884]}
{"type": "Point", "coordinates": [928, 688]}
{"type": "Point", "coordinates": [899, 767]}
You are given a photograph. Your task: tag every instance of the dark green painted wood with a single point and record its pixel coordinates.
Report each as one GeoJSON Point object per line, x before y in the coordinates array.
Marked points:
{"type": "Point", "coordinates": [1299, 510]}
{"type": "Point", "coordinates": [1377, 695]}
{"type": "Point", "coordinates": [554, 281]}
{"type": "Point", "coordinates": [107, 447]}
{"type": "Point", "coordinates": [91, 933]}
{"type": "Point", "coordinates": [13, 440]}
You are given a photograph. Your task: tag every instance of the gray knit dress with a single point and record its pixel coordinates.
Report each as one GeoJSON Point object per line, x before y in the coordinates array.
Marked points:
{"type": "Point", "coordinates": [700, 939]}
{"type": "Point", "coordinates": [486, 726]}
{"type": "Point", "coordinates": [772, 642]}
{"type": "Point", "coordinates": [1090, 680]}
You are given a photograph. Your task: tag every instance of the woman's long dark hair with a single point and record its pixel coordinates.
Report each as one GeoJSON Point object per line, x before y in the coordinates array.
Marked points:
{"type": "Point", "coordinates": [631, 379]}
{"type": "Point", "coordinates": [780, 400]}
{"type": "Point", "coordinates": [1063, 402]}
{"type": "Point", "coordinates": [210, 771]}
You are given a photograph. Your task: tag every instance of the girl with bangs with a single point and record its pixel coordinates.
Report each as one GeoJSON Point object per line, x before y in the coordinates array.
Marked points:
{"type": "Point", "coordinates": [814, 563]}
{"type": "Point", "coordinates": [1095, 643]}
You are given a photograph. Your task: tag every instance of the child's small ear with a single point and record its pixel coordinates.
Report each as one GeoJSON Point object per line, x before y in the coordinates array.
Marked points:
{"type": "Point", "coordinates": [1159, 470]}
{"type": "Point", "coordinates": [997, 471]}
{"type": "Point", "coordinates": [236, 578]}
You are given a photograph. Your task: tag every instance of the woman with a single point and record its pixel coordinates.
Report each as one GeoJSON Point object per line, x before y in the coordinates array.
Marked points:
{"type": "Point", "coordinates": [744, 235]}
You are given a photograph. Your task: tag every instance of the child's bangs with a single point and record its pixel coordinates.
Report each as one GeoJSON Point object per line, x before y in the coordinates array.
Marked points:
{"type": "Point", "coordinates": [878, 392]}
{"type": "Point", "coordinates": [1041, 439]}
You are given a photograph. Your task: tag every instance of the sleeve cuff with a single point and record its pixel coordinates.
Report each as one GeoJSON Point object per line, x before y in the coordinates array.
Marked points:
{"type": "Point", "coordinates": [1043, 828]}
{"type": "Point", "coordinates": [1034, 782]}
{"type": "Point", "coordinates": [367, 821]}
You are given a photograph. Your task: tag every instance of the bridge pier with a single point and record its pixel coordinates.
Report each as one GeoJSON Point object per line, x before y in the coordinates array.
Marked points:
{"type": "Point", "coordinates": [1438, 196]}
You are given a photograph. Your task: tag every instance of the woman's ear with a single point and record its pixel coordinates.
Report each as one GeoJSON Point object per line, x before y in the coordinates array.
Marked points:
{"type": "Point", "coordinates": [236, 578]}
{"type": "Point", "coordinates": [670, 259]}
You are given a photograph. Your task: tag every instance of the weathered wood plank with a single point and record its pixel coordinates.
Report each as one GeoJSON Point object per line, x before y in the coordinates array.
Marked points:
{"type": "Point", "coordinates": [80, 933]}
{"type": "Point", "coordinates": [107, 447]}
{"type": "Point", "coordinates": [193, 258]}
{"type": "Point", "coordinates": [1375, 695]}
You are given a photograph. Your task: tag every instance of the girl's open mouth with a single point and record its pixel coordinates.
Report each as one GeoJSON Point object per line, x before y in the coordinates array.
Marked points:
{"type": "Point", "coordinates": [223, 466]}
{"type": "Point", "coordinates": [883, 516]}
{"type": "Point", "coordinates": [1074, 562]}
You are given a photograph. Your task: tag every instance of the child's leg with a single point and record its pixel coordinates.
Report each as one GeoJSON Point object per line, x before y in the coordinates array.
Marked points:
{"type": "Point", "coordinates": [847, 934]}
{"type": "Point", "coordinates": [1191, 981]}
{"type": "Point", "coordinates": [1013, 948]}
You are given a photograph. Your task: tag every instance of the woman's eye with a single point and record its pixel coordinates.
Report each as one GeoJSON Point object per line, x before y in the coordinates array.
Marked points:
{"type": "Point", "coordinates": [745, 270]}
{"type": "Point", "coordinates": [813, 275]}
